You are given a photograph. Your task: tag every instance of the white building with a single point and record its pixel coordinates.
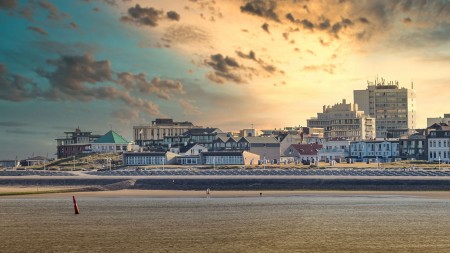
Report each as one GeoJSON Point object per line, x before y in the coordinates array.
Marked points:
{"type": "Point", "coordinates": [229, 158]}
{"type": "Point", "coordinates": [439, 146]}
{"type": "Point", "coordinates": [148, 158]}
{"type": "Point", "coordinates": [111, 142]}
{"type": "Point", "coordinates": [303, 152]}
{"type": "Point", "coordinates": [375, 150]}
{"type": "Point", "coordinates": [334, 149]}
{"type": "Point", "coordinates": [391, 106]}
{"type": "Point", "coordinates": [344, 121]}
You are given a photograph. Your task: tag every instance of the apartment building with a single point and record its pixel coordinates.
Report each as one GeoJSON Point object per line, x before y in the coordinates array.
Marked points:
{"type": "Point", "coordinates": [344, 120]}
{"type": "Point", "coordinates": [391, 106]}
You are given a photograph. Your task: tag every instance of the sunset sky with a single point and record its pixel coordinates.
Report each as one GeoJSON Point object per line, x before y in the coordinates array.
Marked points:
{"type": "Point", "coordinates": [229, 64]}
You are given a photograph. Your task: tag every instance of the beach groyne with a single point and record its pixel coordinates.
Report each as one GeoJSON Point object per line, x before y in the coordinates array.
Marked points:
{"type": "Point", "coordinates": [350, 184]}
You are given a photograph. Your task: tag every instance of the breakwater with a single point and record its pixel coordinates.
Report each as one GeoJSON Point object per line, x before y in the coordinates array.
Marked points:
{"type": "Point", "coordinates": [365, 184]}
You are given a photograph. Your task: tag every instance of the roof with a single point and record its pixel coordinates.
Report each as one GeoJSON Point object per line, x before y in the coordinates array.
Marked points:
{"type": "Point", "coordinates": [185, 148]}
{"type": "Point", "coordinates": [144, 153]}
{"type": "Point", "coordinates": [260, 139]}
{"type": "Point", "coordinates": [337, 139]}
{"type": "Point", "coordinates": [222, 138]}
{"type": "Point", "coordinates": [112, 137]}
{"type": "Point", "coordinates": [307, 149]}
{"type": "Point", "coordinates": [201, 131]}
{"type": "Point", "coordinates": [222, 153]}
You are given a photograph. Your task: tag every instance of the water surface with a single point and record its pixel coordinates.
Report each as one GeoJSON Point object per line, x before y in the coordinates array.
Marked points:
{"type": "Point", "coordinates": [308, 223]}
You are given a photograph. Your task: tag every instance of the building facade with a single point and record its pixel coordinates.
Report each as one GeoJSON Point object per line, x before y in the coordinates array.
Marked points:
{"type": "Point", "coordinates": [391, 106]}
{"type": "Point", "coordinates": [229, 158]}
{"type": "Point", "coordinates": [445, 120]}
{"type": "Point", "coordinates": [344, 121]}
{"type": "Point", "coordinates": [147, 135]}
{"type": "Point", "coordinates": [413, 147]}
{"type": "Point", "coordinates": [304, 152]}
{"type": "Point", "coordinates": [375, 150]}
{"type": "Point", "coordinates": [74, 143]}
{"type": "Point", "coordinates": [111, 142]}
{"type": "Point", "coordinates": [439, 146]}
{"type": "Point", "coordinates": [334, 149]}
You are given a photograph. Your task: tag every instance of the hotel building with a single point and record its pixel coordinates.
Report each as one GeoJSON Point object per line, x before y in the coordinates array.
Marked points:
{"type": "Point", "coordinates": [147, 135]}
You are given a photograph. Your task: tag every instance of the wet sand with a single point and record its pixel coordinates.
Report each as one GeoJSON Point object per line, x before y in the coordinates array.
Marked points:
{"type": "Point", "coordinates": [187, 221]}
{"type": "Point", "coordinates": [213, 194]}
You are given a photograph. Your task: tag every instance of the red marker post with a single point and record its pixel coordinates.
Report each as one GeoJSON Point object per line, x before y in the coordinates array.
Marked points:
{"type": "Point", "coordinates": [75, 206]}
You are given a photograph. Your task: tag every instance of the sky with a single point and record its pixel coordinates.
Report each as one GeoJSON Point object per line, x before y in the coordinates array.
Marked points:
{"type": "Point", "coordinates": [112, 64]}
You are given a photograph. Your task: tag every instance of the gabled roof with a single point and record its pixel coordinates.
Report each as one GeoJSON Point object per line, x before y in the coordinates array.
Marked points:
{"type": "Point", "coordinates": [307, 149]}
{"type": "Point", "coordinates": [112, 137]}
{"type": "Point", "coordinates": [233, 139]}
{"type": "Point", "coordinates": [185, 148]}
{"type": "Point", "coordinates": [222, 139]}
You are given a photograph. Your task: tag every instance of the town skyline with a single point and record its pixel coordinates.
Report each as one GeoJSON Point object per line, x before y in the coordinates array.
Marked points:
{"type": "Point", "coordinates": [102, 65]}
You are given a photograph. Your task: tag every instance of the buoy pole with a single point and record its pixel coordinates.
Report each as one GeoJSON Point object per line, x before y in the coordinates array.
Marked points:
{"type": "Point", "coordinates": [75, 206]}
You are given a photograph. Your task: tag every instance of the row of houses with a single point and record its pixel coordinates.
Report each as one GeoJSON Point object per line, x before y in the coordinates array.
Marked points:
{"type": "Point", "coordinates": [198, 145]}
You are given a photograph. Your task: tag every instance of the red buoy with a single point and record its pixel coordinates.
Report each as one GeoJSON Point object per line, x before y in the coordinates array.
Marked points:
{"type": "Point", "coordinates": [75, 206]}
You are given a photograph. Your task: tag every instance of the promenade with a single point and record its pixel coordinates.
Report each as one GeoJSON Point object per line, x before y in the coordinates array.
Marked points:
{"type": "Point", "coordinates": [241, 179]}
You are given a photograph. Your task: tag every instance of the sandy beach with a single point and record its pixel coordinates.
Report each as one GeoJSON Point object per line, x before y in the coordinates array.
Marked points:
{"type": "Point", "coordinates": [202, 194]}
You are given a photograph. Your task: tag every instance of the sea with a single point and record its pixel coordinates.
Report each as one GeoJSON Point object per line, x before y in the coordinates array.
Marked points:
{"type": "Point", "coordinates": [305, 223]}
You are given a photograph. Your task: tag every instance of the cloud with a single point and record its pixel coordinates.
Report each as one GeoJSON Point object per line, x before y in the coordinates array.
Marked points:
{"type": "Point", "coordinates": [265, 66]}
{"type": "Point", "coordinates": [73, 25]}
{"type": "Point", "coordinates": [126, 115]}
{"type": "Point", "coordinates": [173, 15]}
{"type": "Point", "coordinates": [15, 87]}
{"type": "Point", "coordinates": [364, 20]}
{"type": "Point", "coordinates": [251, 55]}
{"type": "Point", "coordinates": [185, 34]}
{"type": "Point", "coordinates": [20, 131]}
{"type": "Point", "coordinates": [261, 8]}
{"type": "Point", "coordinates": [325, 24]}
{"type": "Point", "coordinates": [144, 16]}
{"type": "Point", "coordinates": [8, 4]}
{"type": "Point", "coordinates": [162, 88]}
{"type": "Point", "coordinates": [188, 107]}
{"type": "Point", "coordinates": [227, 69]}
{"type": "Point", "coordinates": [73, 72]}
{"type": "Point", "coordinates": [307, 24]}
{"type": "Point", "coordinates": [290, 17]}
{"type": "Point", "coordinates": [38, 30]}
{"type": "Point", "coordinates": [13, 124]}
{"type": "Point", "coordinates": [265, 27]}
{"type": "Point", "coordinates": [222, 64]}
{"type": "Point", "coordinates": [53, 11]}
{"type": "Point", "coordinates": [329, 68]}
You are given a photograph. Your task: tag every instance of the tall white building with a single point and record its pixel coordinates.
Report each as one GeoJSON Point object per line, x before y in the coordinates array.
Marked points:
{"type": "Point", "coordinates": [344, 121]}
{"type": "Point", "coordinates": [391, 106]}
